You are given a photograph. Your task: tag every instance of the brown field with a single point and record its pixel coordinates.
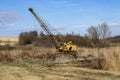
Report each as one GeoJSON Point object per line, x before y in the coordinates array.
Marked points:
{"type": "Point", "coordinates": [8, 40]}
{"type": "Point", "coordinates": [28, 63]}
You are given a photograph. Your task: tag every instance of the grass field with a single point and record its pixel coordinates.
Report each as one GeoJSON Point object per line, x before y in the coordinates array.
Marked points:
{"type": "Point", "coordinates": [8, 40]}
{"type": "Point", "coordinates": [36, 63]}
{"type": "Point", "coordinates": [51, 71]}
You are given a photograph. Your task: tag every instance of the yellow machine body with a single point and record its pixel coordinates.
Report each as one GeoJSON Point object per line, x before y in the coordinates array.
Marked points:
{"type": "Point", "coordinates": [67, 47]}
{"type": "Point", "coordinates": [63, 46]}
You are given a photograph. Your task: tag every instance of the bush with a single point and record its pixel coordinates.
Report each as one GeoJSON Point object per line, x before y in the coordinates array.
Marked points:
{"type": "Point", "coordinates": [27, 37]}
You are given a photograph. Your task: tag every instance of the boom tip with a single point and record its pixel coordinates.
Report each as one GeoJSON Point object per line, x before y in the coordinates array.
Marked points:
{"type": "Point", "coordinates": [30, 9]}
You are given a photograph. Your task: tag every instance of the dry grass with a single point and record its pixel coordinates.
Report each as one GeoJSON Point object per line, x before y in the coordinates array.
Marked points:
{"type": "Point", "coordinates": [9, 39]}
{"type": "Point", "coordinates": [28, 63]}
{"type": "Point", "coordinates": [39, 71]}
{"type": "Point", "coordinates": [26, 53]}
{"type": "Point", "coordinates": [111, 57]}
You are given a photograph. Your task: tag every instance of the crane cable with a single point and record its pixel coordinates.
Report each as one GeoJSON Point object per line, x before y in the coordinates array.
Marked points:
{"type": "Point", "coordinates": [48, 28]}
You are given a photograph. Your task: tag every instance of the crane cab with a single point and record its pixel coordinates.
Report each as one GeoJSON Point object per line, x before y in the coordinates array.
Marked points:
{"type": "Point", "coordinates": [67, 47]}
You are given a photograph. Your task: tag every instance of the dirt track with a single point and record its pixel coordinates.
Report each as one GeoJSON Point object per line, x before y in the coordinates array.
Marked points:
{"type": "Point", "coordinates": [51, 71]}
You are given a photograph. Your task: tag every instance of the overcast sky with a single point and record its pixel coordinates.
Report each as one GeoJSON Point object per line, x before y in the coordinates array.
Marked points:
{"type": "Point", "coordinates": [65, 16]}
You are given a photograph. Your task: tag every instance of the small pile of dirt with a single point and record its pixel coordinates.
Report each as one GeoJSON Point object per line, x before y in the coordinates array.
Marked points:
{"type": "Point", "coordinates": [64, 58]}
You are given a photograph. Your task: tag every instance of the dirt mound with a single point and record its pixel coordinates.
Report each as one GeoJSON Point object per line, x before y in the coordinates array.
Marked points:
{"type": "Point", "coordinates": [64, 58]}
{"type": "Point", "coordinates": [58, 57]}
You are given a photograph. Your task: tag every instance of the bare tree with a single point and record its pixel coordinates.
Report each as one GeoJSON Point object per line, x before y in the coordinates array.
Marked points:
{"type": "Point", "coordinates": [98, 34]}
{"type": "Point", "coordinates": [104, 33]}
{"type": "Point", "coordinates": [104, 30]}
{"type": "Point", "coordinates": [93, 34]}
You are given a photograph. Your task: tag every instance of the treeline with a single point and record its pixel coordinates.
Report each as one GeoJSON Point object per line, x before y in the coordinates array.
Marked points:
{"type": "Point", "coordinates": [97, 36]}
{"type": "Point", "coordinates": [115, 39]}
{"type": "Point", "coordinates": [42, 39]}
{"type": "Point", "coordinates": [32, 37]}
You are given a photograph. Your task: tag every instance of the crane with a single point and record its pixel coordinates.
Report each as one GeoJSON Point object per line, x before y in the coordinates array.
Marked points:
{"type": "Point", "coordinates": [60, 46]}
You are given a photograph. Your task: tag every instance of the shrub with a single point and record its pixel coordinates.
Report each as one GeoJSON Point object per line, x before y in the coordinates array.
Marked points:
{"type": "Point", "coordinates": [27, 37]}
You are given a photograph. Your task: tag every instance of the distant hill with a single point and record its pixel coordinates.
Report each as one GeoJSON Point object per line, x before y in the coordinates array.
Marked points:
{"type": "Point", "coordinates": [115, 39]}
